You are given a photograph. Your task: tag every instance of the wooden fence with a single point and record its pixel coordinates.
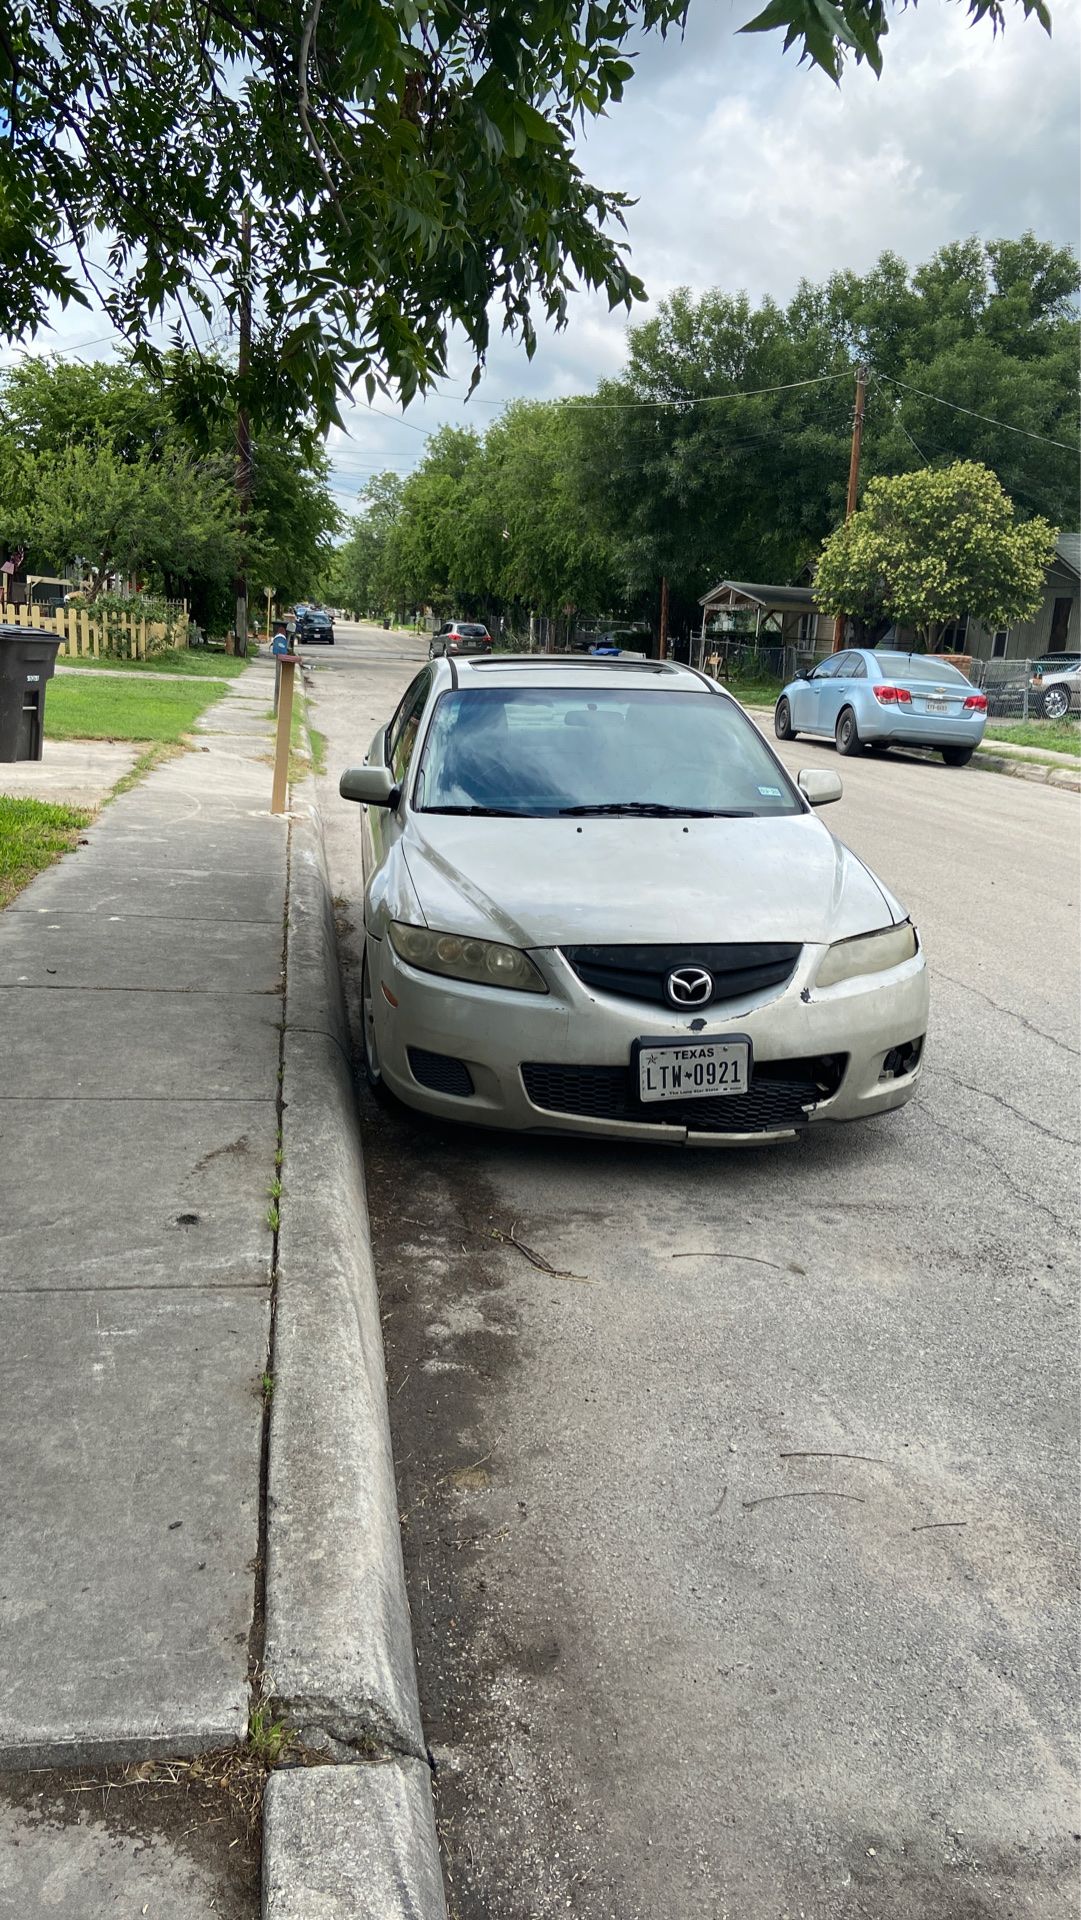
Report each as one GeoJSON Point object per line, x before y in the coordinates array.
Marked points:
{"type": "Point", "coordinates": [85, 634]}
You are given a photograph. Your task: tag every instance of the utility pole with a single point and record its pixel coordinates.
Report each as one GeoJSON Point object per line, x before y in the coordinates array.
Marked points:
{"type": "Point", "coordinates": [662, 642]}
{"type": "Point", "coordinates": [243, 469]}
{"type": "Point", "coordinates": [853, 484]}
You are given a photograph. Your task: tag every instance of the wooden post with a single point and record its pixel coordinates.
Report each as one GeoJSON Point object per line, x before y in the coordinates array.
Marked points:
{"type": "Point", "coordinates": [853, 484]}
{"type": "Point", "coordinates": [288, 663]}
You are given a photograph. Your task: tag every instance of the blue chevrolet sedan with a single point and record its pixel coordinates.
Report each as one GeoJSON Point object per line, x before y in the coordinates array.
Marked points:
{"type": "Point", "coordinates": [883, 700]}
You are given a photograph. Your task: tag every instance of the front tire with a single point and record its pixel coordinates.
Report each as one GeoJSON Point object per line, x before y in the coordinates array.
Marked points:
{"type": "Point", "coordinates": [847, 734]}
{"type": "Point", "coordinates": [957, 756]}
{"type": "Point", "coordinates": [782, 721]}
{"type": "Point", "coordinates": [1056, 703]}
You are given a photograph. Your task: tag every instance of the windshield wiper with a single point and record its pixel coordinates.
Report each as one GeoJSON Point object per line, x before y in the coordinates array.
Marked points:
{"type": "Point", "coordinates": [657, 809]}
{"type": "Point", "coordinates": [500, 813]}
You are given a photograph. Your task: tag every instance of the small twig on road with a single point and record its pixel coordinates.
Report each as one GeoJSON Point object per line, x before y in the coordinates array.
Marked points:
{"type": "Point", "coordinates": [537, 1259]}
{"type": "Point", "coordinates": [807, 1454]}
{"type": "Point", "coordinates": [714, 1511]}
{"type": "Point", "coordinates": [711, 1253]}
{"type": "Point", "coordinates": [925, 1526]}
{"type": "Point", "coordinates": [805, 1493]}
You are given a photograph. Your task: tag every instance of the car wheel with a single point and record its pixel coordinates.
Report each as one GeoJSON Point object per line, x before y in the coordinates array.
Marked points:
{"type": "Point", "coordinates": [372, 1072]}
{"type": "Point", "coordinates": [1056, 703]}
{"type": "Point", "coordinates": [957, 756]}
{"type": "Point", "coordinates": [782, 721]}
{"type": "Point", "coordinates": [847, 733]}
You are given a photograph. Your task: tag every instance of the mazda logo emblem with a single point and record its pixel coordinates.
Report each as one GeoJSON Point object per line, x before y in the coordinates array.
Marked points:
{"type": "Point", "coordinates": [689, 987]}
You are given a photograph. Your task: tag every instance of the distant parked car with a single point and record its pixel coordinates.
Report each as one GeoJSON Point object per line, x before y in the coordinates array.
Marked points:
{"type": "Point", "coordinates": [314, 628]}
{"type": "Point", "coordinates": [459, 636]}
{"type": "Point", "coordinates": [1055, 684]}
{"type": "Point", "coordinates": [884, 700]}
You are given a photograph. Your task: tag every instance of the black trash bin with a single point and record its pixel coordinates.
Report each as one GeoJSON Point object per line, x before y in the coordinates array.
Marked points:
{"type": "Point", "coordinates": [27, 663]}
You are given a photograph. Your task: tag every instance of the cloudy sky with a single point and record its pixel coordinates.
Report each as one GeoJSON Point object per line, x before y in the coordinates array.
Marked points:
{"type": "Point", "coordinates": [751, 171]}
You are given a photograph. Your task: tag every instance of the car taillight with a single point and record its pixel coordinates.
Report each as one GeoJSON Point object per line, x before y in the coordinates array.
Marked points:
{"type": "Point", "coordinates": [977, 702]}
{"type": "Point", "coordinates": [892, 696]}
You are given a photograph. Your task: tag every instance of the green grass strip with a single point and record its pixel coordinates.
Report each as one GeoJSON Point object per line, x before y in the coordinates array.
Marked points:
{"type": "Point", "coordinates": [34, 833]}
{"type": "Point", "coordinates": [92, 707]}
{"type": "Point", "coordinates": [196, 663]}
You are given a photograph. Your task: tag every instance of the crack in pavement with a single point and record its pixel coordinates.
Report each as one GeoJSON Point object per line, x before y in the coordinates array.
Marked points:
{"type": "Point", "coordinates": [985, 1093]}
{"type": "Point", "coordinates": [981, 1146]}
{"type": "Point", "coordinates": [1010, 1012]}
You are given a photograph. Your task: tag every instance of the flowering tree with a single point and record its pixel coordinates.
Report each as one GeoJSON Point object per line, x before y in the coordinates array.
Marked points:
{"type": "Point", "coordinates": [926, 548]}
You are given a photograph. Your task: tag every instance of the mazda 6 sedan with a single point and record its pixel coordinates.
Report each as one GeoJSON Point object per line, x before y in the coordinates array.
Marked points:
{"type": "Point", "coordinates": [867, 699]}
{"type": "Point", "coordinates": [596, 902]}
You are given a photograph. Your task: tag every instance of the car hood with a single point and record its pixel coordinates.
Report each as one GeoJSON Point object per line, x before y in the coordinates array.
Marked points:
{"type": "Point", "coordinates": [546, 883]}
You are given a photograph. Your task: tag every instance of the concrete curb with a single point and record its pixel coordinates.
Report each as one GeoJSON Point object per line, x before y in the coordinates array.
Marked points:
{"type": "Point", "coordinates": [338, 1656]}
{"type": "Point", "coordinates": [351, 1843]}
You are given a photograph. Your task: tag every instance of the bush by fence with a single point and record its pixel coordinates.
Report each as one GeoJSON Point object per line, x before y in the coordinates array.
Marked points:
{"type": "Point", "coordinates": [133, 629]}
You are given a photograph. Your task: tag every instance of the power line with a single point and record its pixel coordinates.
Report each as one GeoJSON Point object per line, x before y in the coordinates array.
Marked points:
{"type": "Point", "coordinates": [703, 400]}
{"type": "Point", "coordinates": [987, 418]}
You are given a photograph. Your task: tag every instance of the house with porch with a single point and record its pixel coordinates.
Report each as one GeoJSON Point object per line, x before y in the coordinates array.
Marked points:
{"type": "Point", "coordinates": [760, 615]}
{"type": "Point", "coordinates": [755, 614]}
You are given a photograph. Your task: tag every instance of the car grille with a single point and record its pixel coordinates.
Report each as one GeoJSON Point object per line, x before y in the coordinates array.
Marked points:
{"type": "Point", "coordinates": [780, 1095]}
{"type": "Point", "coordinates": [441, 1072]}
{"type": "Point", "coordinates": [639, 973]}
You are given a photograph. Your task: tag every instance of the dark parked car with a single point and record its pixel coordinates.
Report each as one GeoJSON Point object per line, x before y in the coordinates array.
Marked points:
{"type": "Point", "coordinates": [314, 628]}
{"type": "Point", "coordinates": [459, 636]}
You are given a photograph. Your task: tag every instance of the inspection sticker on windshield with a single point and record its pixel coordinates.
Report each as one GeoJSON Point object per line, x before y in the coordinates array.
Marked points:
{"type": "Point", "coordinates": [693, 1069]}
{"type": "Point", "coordinates": [771, 793]}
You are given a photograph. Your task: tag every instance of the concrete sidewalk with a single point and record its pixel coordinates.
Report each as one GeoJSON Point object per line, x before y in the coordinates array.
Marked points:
{"type": "Point", "coordinates": [140, 1039]}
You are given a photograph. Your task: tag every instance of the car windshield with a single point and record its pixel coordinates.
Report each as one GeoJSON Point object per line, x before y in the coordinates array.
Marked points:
{"type": "Point", "coordinates": [916, 666]}
{"type": "Point", "coordinates": [574, 750]}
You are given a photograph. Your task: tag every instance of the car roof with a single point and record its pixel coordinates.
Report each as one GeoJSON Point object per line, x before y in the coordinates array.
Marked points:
{"type": "Point", "coordinates": [560, 669]}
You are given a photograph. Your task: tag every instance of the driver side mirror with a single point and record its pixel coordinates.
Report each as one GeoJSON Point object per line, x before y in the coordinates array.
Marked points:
{"type": "Point", "coordinates": [369, 786]}
{"type": "Point", "coordinates": [819, 785]}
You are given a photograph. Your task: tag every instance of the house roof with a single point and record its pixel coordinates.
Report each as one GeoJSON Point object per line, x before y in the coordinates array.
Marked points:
{"type": "Point", "coordinates": [1068, 550]}
{"type": "Point", "coordinates": [760, 595]}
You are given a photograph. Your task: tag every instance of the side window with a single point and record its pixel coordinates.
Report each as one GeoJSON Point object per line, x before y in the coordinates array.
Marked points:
{"type": "Point", "coordinates": [826, 669]}
{"type": "Point", "coordinates": [858, 669]}
{"type": "Point", "coordinates": [403, 742]}
{"type": "Point", "coordinates": [402, 712]}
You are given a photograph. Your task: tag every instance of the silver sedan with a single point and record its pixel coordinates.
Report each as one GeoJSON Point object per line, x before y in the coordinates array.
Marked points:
{"type": "Point", "coordinates": [596, 902]}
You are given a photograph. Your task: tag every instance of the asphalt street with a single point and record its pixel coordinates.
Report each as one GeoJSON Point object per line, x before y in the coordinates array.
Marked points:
{"type": "Point", "coordinates": [739, 1490]}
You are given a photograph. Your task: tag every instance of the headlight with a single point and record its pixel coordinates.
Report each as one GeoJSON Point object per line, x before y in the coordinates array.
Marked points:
{"type": "Point", "coordinates": [867, 953]}
{"type": "Point", "coordinates": [485, 961]}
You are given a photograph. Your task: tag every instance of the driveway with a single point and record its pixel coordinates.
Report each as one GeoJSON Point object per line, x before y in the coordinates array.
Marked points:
{"type": "Point", "coordinates": [739, 1490]}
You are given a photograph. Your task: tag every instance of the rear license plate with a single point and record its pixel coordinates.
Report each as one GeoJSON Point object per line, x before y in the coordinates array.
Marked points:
{"type": "Point", "coordinates": [693, 1069]}
{"type": "Point", "coordinates": [936, 706]}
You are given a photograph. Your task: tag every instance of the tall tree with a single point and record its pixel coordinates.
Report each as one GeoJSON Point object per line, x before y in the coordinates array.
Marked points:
{"type": "Point", "coordinates": [699, 475]}
{"type": "Point", "coordinates": [406, 165]}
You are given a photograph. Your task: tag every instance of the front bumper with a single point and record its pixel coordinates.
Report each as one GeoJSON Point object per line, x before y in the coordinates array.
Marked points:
{"type": "Point", "coordinates": [494, 1032]}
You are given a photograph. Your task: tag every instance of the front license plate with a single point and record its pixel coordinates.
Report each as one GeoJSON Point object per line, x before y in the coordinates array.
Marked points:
{"type": "Point", "coordinates": [936, 706]}
{"type": "Point", "coordinates": [693, 1069]}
